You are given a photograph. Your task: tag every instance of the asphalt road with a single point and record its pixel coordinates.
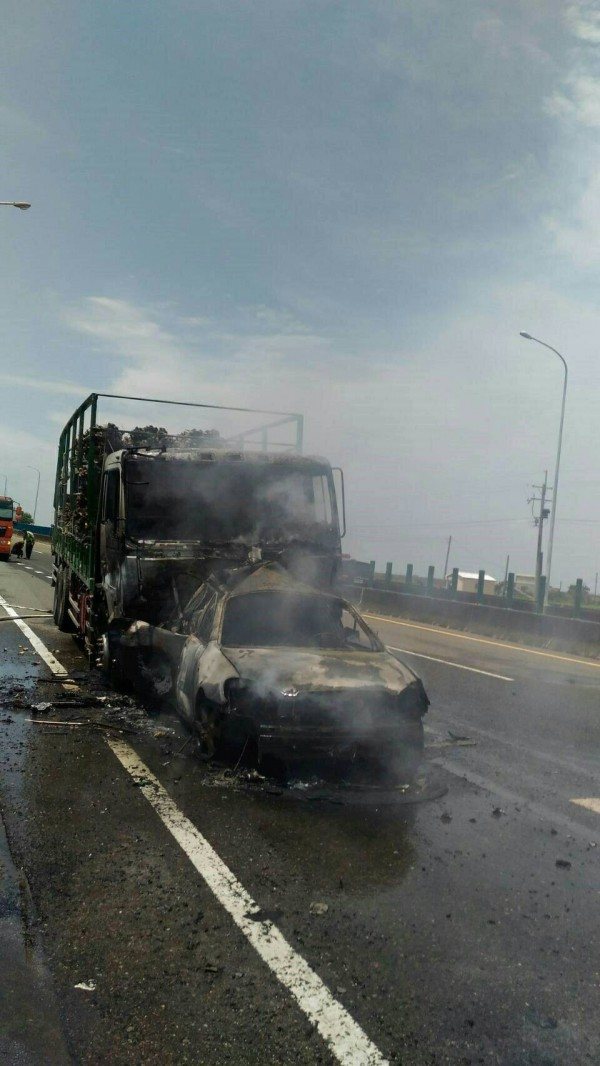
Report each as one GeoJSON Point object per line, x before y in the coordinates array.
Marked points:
{"type": "Point", "coordinates": [459, 929]}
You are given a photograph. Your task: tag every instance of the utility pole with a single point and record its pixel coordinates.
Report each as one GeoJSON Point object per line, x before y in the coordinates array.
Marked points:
{"type": "Point", "coordinates": [506, 575]}
{"type": "Point", "coordinates": [539, 522]}
{"type": "Point", "coordinates": [444, 575]}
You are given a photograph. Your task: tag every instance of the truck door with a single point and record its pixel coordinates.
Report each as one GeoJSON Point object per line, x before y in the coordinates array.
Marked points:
{"type": "Point", "coordinates": [110, 539]}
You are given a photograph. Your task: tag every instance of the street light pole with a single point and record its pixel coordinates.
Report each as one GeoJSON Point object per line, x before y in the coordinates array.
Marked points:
{"type": "Point", "coordinates": [15, 203]}
{"type": "Point", "coordinates": [5, 476]}
{"type": "Point", "coordinates": [528, 337]}
{"type": "Point", "coordinates": [36, 491]}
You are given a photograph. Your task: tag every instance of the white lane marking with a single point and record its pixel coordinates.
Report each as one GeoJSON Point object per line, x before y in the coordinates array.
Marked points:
{"type": "Point", "coordinates": [344, 1037]}
{"type": "Point", "coordinates": [346, 1040]}
{"type": "Point", "coordinates": [35, 642]}
{"type": "Point", "coordinates": [592, 803]}
{"type": "Point", "coordinates": [526, 806]}
{"type": "Point", "coordinates": [446, 662]}
{"type": "Point", "coordinates": [453, 635]}
{"type": "Point", "coordinates": [39, 572]}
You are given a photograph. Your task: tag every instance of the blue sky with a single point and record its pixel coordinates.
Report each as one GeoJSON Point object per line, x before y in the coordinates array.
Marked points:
{"type": "Point", "coordinates": [345, 209]}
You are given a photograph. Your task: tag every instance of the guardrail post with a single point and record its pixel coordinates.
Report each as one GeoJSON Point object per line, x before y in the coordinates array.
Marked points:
{"type": "Point", "coordinates": [430, 574]}
{"type": "Point", "coordinates": [578, 597]}
{"type": "Point", "coordinates": [409, 577]}
{"type": "Point", "coordinates": [541, 594]}
{"type": "Point", "coordinates": [510, 590]}
{"type": "Point", "coordinates": [454, 580]}
{"type": "Point", "coordinates": [372, 574]}
{"type": "Point", "coordinates": [388, 575]}
{"type": "Point", "coordinates": [480, 584]}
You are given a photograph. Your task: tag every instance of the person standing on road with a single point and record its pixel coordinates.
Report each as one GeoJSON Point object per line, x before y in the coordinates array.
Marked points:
{"type": "Point", "coordinates": [29, 542]}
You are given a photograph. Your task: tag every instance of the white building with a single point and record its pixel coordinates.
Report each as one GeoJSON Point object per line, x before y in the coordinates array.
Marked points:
{"type": "Point", "coordinates": [468, 582]}
{"type": "Point", "coordinates": [525, 583]}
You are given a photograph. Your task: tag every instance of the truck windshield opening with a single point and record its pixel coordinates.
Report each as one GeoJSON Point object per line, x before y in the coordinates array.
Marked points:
{"type": "Point", "coordinates": [6, 510]}
{"type": "Point", "coordinates": [223, 502]}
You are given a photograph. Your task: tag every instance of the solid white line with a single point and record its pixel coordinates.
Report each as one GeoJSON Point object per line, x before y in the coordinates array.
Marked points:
{"type": "Point", "coordinates": [344, 1037]}
{"type": "Point", "coordinates": [446, 662]}
{"type": "Point", "coordinates": [453, 635]}
{"type": "Point", "coordinates": [35, 642]}
{"type": "Point", "coordinates": [591, 803]}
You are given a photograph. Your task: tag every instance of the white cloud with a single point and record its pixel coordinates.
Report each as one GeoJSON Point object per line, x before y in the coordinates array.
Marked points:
{"type": "Point", "coordinates": [583, 20]}
{"type": "Point", "coordinates": [579, 100]}
{"type": "Point", "coordinates": [577, 234]}
{"type": "Point", "coordinates": [59, 387]}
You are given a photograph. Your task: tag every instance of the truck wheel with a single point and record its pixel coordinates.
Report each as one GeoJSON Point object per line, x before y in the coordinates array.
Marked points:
{"type": "Point", "coordinates": [114, 663]}
{"type": "Point", "coordinates": [60, 607]}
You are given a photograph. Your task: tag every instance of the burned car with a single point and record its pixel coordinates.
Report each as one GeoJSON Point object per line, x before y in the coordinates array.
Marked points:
{"type": "Point", "coordinates": [287, 674]}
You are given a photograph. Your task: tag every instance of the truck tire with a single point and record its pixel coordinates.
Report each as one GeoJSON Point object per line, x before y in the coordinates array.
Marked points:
{"type": "Point", "coordinates": [60, 607]}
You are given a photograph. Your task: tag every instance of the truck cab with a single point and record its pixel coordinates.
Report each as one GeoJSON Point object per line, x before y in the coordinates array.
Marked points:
{"type": "Point", "coordinates": [168, 518]}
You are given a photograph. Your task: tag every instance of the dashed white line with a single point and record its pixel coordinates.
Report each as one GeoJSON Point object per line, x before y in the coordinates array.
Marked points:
{"type": "Point", "coordinates": [40, 648]}
{"type": "Point", "coordinates": [541, 811]}
{"type": "Point", "coordinates": [446, 662]}
{"type": "Point", "coordinates": [39, 572]}
{"type": "Point", "coordinates": [591, 803]}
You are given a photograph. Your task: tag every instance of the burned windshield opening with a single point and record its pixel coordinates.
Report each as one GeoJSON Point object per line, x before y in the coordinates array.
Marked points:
{"type": "Point", "coordinates": [246, 502]}
{"type": "Point", "coordinates": [281, 619]}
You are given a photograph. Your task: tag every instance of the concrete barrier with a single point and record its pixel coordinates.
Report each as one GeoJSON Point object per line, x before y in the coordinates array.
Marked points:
{"type": "Point", "coordinates": [519, 627]}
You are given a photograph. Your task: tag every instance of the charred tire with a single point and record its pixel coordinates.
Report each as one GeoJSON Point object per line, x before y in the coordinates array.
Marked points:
{"type": "Point", "coordinates": [111, 662]}
{"type": "Point", "coordinates": [208, 726]}
{"type": "Point", "coordinates": [60, 607]}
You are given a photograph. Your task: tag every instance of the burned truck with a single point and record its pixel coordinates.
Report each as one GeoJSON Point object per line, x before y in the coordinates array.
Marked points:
{"type": "Point", "coordinates": [142, 517]}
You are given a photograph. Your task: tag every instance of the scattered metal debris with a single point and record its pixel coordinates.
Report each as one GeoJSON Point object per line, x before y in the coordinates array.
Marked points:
{"type": "Point", "coordinates": [318, 908]}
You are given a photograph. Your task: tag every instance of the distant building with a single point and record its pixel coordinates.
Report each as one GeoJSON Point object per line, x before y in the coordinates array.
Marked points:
{"type": "Point", "coordinates": [525, 583]}
{"type": "Point", "coordinates": [468, 582]}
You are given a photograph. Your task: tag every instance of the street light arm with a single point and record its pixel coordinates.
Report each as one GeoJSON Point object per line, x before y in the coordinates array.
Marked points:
{"type": "Point", "coordinates": [21, 204]}
{"type": "Point", "coordinates": [37, 491]}
{"type": "Point", "coordinates": [529, 337]}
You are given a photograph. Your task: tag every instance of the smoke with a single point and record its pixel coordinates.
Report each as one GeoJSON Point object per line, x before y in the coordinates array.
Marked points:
{"type": "Point", "coordinates": [249, 502]}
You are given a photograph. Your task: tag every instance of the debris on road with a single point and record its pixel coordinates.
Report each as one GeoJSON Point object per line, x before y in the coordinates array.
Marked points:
{"type": "Point", "coordinates": [86, 986]}
{"type": "Point", "coordinates": [318, 908]}
{"type": "Point", "coordinates": [563, 864]}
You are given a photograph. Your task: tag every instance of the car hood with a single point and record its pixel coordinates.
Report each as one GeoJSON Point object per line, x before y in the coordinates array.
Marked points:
{"type": "Point", "coordinates": [282, 669]}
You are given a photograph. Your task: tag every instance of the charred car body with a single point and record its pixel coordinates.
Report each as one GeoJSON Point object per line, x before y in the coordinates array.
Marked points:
{"type": "Point", "coordinates": [260, 659]}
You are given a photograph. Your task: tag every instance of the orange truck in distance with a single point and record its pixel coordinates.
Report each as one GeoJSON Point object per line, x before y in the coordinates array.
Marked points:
{"type": "Point", "coordinates": [6, 526]}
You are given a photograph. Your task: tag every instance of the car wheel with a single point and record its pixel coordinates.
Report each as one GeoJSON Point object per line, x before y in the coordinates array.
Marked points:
{"type": "Point", "coordinates": [208, 726]}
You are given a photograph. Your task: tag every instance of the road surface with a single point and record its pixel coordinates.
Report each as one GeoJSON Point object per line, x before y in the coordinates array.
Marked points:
{"type": "Point", "coordinates": [157, 912]}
